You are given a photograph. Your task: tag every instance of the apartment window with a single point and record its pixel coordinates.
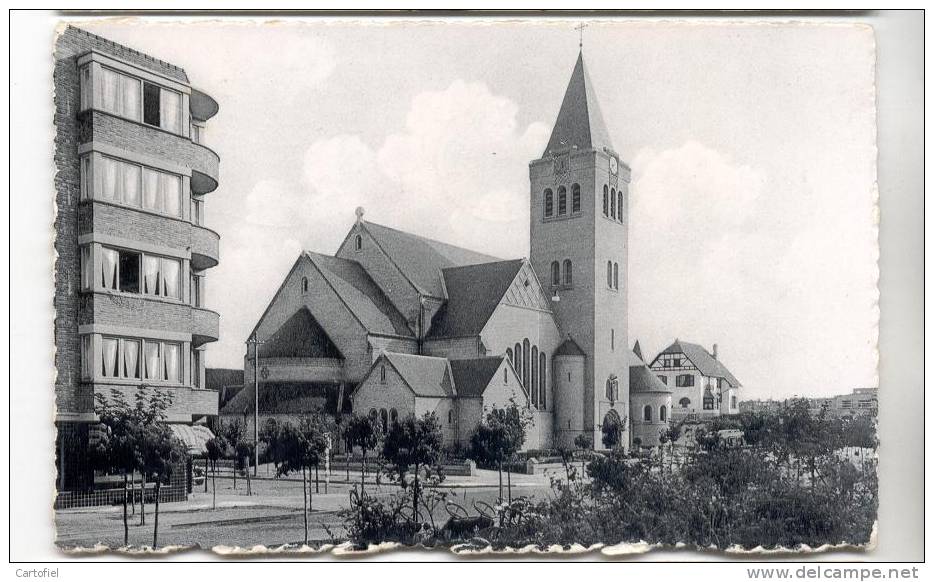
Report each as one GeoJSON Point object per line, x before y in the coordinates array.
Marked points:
{"type": "Point", "coordinates": [120, 94]}
{"type": "Point", "coordinates": [562, 201]}
{"type": "Point", "coordinates": [87, 183]}
{"type": "Point", "coordinates": [87, 267]}
{"type": "Point", "coordinates": [196, 285]}
{"type": "Point", "coordinates": [120, 181]}
{"type": "Point", "coordinates": [568, 273]}
{"type": "Point", "coordinates": [549, 203]}
{"type": "Point", "coordinates": [197, 211]}
{"type": "Point", "coordinates": [120, 358]}
{"type": "Point", "coordinates": [197, 133]}
{"type": "Point", "coordinates": [613, 203]}
{"type": "Point", "coordinates": [196, 368]}
{"type": "Point", "coordinates": [555, 274]}
{"type": "Point", "coordinates": [162, 192]}
{"type": "Point", "coordinates": [161, 277]}
{"type": "Point", "coordinates": [128, 271]}
{"type": "Point", "coordinates": [162, 107]}
{"type": "Point", "coordinates": [86, 87]}
{"type": "Point", "coordinates": [151, 104]}
{"type": "Point", "coordinates": [576, 198]}
{"type": "Point", "coordinates": [86, 357]}
{"type": "Point", "coordinates": [684, 380]}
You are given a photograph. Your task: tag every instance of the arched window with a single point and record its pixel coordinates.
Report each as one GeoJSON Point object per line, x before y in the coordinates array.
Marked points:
{"type": "Point", "coordinates": [549, 203]}
{"type": "Point", "coordinates": [373, 413]}
{"type": "Point", "coordinates": [555, 273]}
{"type": "Point", "coordinates": [613, 203]}
{"type": "Point", "coordinates": [304, 284]}
{"type": "Point", "coordinates": [684, 402]}
{"type": "Point", "coordinates": [394, 416]}
{"type": "Point", "coordinates": [568, 273]}
{"type": "Point", "coordinates": [517, 366]}
{"type": "Point", "coordinates": [606, 200]}
{"type": "Point", "coordinates": [663, 413]}
{"type": "Point", "coordinates": [382, 374]}
{"type": "Point", "coordinates": [609, 274]}
{"type": "Point", "coordinates": [358, 242]}
{"type": "Point", "coordinates": [450, 416]}
{"type": "Point", "coordinates": [576, 198]}
{"type": "Point", "coordinates": [562, 200]}
{"type": "Point", "coordinates": [616, 275]}
{"type": "Point", "coordinates": [542, 373]}
{"type": "Point", "coordinates": [505, 375]}
{"type": "Point", "coordinates": [619, 207]}
{"type": "Point", "coordinates": [384, 419]}
{"type": "Point", "coordinates": [534, 384]}
{"type": "Point", "coordinates": [525, 362]}
{"type": "Point", "coordinates": [509, 355]}
{"type": "Point", "coordinates": [647, 413]}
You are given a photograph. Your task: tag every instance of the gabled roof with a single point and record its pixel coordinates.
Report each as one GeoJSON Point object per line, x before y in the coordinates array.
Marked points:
{"type": "Point", "coordinates": [301, 336]}
{"type": "Point", "coordinates": [281, 398]}
{"type": "Point", "coordinates": [421, 259]}
{"type": "Point", "coordinates": [703, 360]}
{"type": "Point", "coordinates": [426, 375]}
{"type": "Point", "coordinates": [474, 291]}
{"type": "Point", "coordinates": [361, 295]}
{"type": "Point", "coordinates": [471, 377]}
{"type": "Point", "coordinates": [569, 347]}
{"type": "Point", "coordinates": [580, 122]}
{"type": "Point", "coordinates": [641, 377]}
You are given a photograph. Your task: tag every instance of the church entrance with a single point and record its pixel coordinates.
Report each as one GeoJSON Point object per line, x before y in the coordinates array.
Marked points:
{"type": "Point", "coordinates": [612, 430]}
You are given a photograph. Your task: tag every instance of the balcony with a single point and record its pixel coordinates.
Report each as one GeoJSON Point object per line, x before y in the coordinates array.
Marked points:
{"type": "Point", "coordinates": [205, 326]}
{"type": "Point", "coordinates": [203, 107]}
{"type": "Point", "coordinates": [205, 248]}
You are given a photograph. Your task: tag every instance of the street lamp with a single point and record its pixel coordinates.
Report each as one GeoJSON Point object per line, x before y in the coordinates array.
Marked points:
{"type": "Point", "coordinates": [255, 343]}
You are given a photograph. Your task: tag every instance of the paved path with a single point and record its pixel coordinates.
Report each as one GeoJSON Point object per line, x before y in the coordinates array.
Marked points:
{"type": "Point", "coordinates": [272, 516]}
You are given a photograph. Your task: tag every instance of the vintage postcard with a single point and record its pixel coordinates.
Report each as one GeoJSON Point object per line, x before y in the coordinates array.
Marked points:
{"type": "Point", "coordinates": [480, 285]}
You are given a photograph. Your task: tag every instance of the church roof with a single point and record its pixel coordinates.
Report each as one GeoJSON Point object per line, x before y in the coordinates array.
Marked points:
{"type": "Point", "coordinates": [301, 336]}
{"type": "Point", "coordinates": [471, 377]}
{"type": "Point", "coordinates": [217, 378]}
{"type": "Point", "coordinates": [569, 347]}
{"type": "Point", "coordinates": [705, 362]}
{"type": "Point", "coordinates": [281, 398]}
{"type": "Point", "coordinates": [641, 377]}
{"type": "Point", "coordinates": [426, 375]}
{"type": "Point", "coordinates": [420, 259]}
{"type": "Point", "coordinates": [580, 122]}
{"type": "Point", "coordinates": [361, 295]}
{"type": "Point", "coordinates": [474, 291]}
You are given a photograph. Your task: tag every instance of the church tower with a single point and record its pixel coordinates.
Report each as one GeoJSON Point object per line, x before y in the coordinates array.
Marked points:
{"type": "Point", "coordinates": [579, 249]}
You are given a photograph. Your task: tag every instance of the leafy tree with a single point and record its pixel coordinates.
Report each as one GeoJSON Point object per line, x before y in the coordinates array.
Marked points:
{"type": "Point", "coordinates": [584, 443]}
{"type": "Point", "coordinates": [233, 433]}
{"type": "Point", "coordinates": [364, 432]}
{"type": "Point", "coordinates": [499, 436]}
{"type": "Point", "coordinates": [414, 445]}
{"type": "Point", "coordinates": [217, 448]}
{"type": "Point", "coordinates": [244, 452]}
{"type": "Point", "coordinates": [298, 448]}
{"type": "Point", "coordinates": [161, 453]}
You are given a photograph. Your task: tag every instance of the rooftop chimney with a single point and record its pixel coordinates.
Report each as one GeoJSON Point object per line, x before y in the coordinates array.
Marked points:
{"type": "Point", "coordinates": [715, 351]}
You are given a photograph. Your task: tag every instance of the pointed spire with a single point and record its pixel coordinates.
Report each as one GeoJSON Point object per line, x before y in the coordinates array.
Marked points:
{"type": "Point", "coordinates": [580, 122]}
{"type": "Point", "coordinates": [637, 349]}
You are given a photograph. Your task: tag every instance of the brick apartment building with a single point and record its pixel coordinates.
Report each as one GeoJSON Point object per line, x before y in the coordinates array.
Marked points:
{"type": "Point", "coordinates": [132, 246]}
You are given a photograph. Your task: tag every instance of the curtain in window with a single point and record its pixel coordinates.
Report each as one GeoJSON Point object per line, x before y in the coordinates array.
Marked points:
{"type": "Point", "coordinates": [171, 104]}
{"type": "Point", "coordinates": [131, 174]}
{"type": "Point", "coordinates": [109, 179]}
{"type": "Point", "coordinates": [85, 356]}
{"type": "Point", "coordinates": [129, 89]}
{"type": "Point", "coordinates": [170, 272]}
{"type": "Point", "coordinates": [151, 275]}
{"type": "Point", "coordinates": [196, 368]}
{"type": "Point", "coordinates": [85, 87]}
{"type": "Point", "coordinates": [171, 358]}
{"type": "Point", "coordinates": [131, 359]}
{"type": "Point", "coordinates": [152, 361]}
{"type": "Point", "coordinates": [86, 267]}
{"type": "Point", "coordinates": [172, 191]}
{"type": "Point", "coordinates": [109, 258]}
{"type": "Point", "coordinates": [151, 192]}
{"type": "Point", "coordinates": [109, 360]}
{"type": "Point", "coordinates": [109, 81]}
{"type": "Point", "coordinates": [86, 185]}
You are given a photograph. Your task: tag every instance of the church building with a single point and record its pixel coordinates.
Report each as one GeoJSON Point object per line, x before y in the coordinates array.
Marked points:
{"type": "Point", "coordinates": [395, 324]}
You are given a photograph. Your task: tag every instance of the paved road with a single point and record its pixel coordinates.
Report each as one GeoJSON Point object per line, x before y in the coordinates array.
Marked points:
{"type": "Point", "coordinates": [272, 516]}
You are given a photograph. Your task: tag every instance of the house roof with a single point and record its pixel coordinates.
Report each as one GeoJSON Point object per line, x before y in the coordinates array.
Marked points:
{"type": "Point", "coordinates": [474, 291]}
{"type": "Point", "coordinates": [421, 259]}
{"type": "Point", "coordinates": [569, 348]}
{"type": "Point", "coordinates": [579, 122]}
{"type": "Point", "coordinates": [217, 378]}
{"type": "Point", "coordinates": [361, 294]}
{"type": "Point", "coordinates": [426, 375]}
{"type": "Point", "coordinates": [705, 362]}
{"type": "Point", "coordinates": [281, 398]}
{"type": "Point", "coordinates": [641, 377]}
{"type": "Point", "coordinates": [471, 377]}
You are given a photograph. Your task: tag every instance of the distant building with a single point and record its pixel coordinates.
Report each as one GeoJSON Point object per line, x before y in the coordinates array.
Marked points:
{"type": "Point", "coordinates": [862, 401]}
{"type": "Point", "coordinates": [701, 385]}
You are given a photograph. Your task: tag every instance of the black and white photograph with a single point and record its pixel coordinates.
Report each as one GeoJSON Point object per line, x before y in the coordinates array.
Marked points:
{"type": "Point", "coordinates": [472, 286]}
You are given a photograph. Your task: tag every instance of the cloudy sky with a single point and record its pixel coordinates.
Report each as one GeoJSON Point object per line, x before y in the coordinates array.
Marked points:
{"type": "Point", "coordinates": [752, 149]}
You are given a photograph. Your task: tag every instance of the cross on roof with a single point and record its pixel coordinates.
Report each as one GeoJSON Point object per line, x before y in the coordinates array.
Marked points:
{"type": "Point", "coordinates": [580, 27]}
